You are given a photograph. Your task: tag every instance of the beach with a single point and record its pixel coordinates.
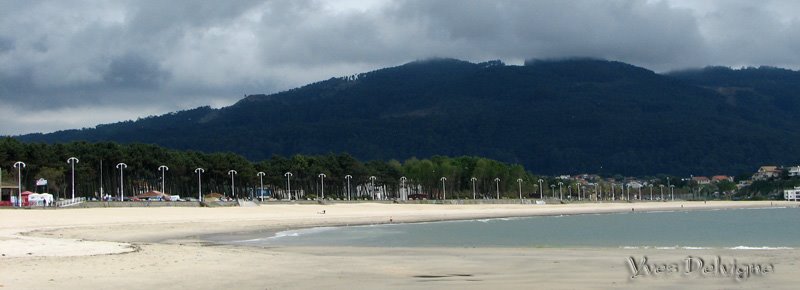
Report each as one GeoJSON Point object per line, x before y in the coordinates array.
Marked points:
{"type": "Point", "coordinates": [164, 248]}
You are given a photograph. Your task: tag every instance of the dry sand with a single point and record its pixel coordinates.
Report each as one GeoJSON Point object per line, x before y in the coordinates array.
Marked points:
{"type": "Point", "coordinates": [158, 248]}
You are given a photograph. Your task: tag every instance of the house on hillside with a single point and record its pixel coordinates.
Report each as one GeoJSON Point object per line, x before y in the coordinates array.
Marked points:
{"type": "Point", "coordinates": [587, 177]}
{"type": "Point", "coordinates": [743, 184]}
{"type": "Point", "coordinates": [767, 172]}
{"type": "Point", "coordinates": [719, 178]}
{"type": "Point", "coordinates": [794, 171]}
{"type": "Point", "coordinates": [701, 180]}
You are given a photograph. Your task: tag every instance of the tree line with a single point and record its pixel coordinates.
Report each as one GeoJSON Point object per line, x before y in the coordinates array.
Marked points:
{"type": "Point", "coordinates": [97, 163]}
{"type": "Point", "coordinates": [96, 169]}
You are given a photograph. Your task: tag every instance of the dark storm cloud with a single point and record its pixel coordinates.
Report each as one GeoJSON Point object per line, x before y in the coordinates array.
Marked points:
{"type": "Point", "coordinates": [754, 33]}
{"type": "Point", "coordinates": [6, 44]}
{"type": "Point", "coordinates": [134, 71]}
{"type": "Point", "coordinates": [650, 34]}
{"type": "Point", "coordinates": [173, 18]}
{"type": "Point", "coordinates": [135, 58]}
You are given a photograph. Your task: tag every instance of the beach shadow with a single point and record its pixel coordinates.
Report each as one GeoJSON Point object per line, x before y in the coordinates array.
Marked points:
{"type": "Point", "coordinates": [443, 277]}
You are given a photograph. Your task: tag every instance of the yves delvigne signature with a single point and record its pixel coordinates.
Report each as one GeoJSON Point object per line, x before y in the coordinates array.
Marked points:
{"type": "Point", "coordinates": [697, 267]}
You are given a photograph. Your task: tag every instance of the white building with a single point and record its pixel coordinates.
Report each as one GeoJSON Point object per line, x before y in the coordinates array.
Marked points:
{"type": "Point", "coordinates": [767, 172]}
{"type": "Point", "coordinates": [792, 194]}
{"type": "Point", "coordinates": [794, 171]}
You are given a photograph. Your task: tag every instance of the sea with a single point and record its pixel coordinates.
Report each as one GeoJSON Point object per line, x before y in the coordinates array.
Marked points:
{"type": "Point", "coordinates": [760, 228]}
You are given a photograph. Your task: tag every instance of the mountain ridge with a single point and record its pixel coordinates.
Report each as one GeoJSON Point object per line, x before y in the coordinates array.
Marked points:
{"type": "Point", "coordinates": [553, 116]}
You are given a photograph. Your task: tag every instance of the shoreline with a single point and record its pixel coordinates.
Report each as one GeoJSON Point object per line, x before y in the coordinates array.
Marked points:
{"type": "Point", "coordinates": [184, 225]}
{"type": "Point", "coordinates": [117, 247]}
{"type": "Point", "coordinates": [210, 238]}
{"type": "Point", "coordinates": [260, 239]}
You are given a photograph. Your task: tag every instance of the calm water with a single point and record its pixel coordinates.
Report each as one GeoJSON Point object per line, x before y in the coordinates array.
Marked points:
{"type": "Point", "coordinates": [774, 228]}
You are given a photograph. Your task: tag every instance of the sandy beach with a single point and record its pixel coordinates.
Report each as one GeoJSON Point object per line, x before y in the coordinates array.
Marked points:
{"type": "Point", "coordinates": [161, 248]}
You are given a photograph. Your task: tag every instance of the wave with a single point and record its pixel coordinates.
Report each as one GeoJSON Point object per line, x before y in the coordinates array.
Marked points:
{"type": "Point", "coordinates": [664, 247]}
{"type": "Point", "coordinates": [702, 248]}
{"type": "Point", "coordinates": [297, 233]}
{"type": "Point", "coordinates": [490, 219]}
{"type": "Point", "coordinates": [759, 248]}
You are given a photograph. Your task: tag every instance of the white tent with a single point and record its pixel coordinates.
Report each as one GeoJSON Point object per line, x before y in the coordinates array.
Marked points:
{"type": "Point", "coordinates": [42, 199]}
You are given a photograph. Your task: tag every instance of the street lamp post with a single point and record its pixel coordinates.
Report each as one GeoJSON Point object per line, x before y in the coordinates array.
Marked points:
{"type": "Point", "coordinates": [672, 192]}
{"type": "Point", "coordinates": [519, 182]}
{"type": "Point", "coordinates": [163, 168]}
{"type": "Point", "coordinates": [19, 165]}
{"type": "Point", "coordinates": [121, 166]}
{"type": "Point", "coordinates": [199, 183]}
{"type": "Point", "coordinates": [473, 179]}
{"type": "Point", "coordinates": [541, 189]}
{"type": "Point", "coordinates": [560, 190]}
{"type": "Point", "coordinates": [322, 182]}
{"type": "Point", "coordinates": [348, 177]}
{"type": "Point", "coordinates": [261, 181]}
{"type": "Point", "coordinates": [289, 185]}
{"type": "Point", "coordinates": [372, 182]}
{"type": "Point", "coordinates": [640, 192]}
{"type": "Point", "coordinates": [628, 186]}
{"type": "Point", "coordinates": [101, 179]}
{"type": "Point", "coordinates": [444, 190]}
{"type": "Point", "coordinates": [72, 161]}
{"type": "Point", "coordinates": [569, 192]}
{"type": "Point", "coordinates": [232, 173]}
{"type": "Point", "coordinates": [403, 196]}
{"type": "Point", "coordinates": [497, 182]}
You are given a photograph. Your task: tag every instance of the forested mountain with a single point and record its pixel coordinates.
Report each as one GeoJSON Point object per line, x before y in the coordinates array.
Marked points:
{"type": "Point", "coordinates": [553, 117]}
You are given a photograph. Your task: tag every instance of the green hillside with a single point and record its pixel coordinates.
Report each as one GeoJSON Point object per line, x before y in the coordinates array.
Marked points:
{"type": "Point", "coordinates": [553, 117]}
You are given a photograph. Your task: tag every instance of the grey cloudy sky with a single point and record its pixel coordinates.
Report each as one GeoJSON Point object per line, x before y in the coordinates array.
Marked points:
{"type": "Point", "coordinates": [72, 64]}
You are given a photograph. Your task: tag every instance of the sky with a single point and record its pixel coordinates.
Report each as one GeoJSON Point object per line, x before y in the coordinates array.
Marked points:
{"type": "Point", "coordinates": [75, 64]}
